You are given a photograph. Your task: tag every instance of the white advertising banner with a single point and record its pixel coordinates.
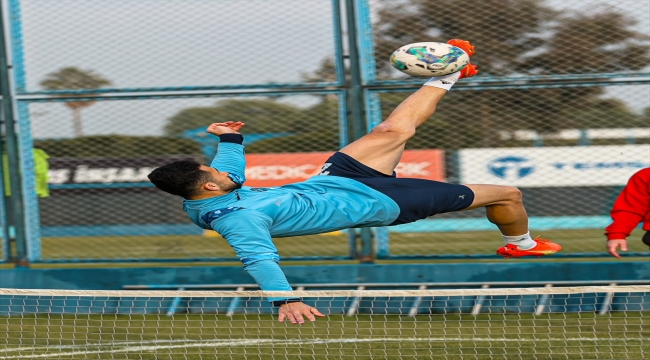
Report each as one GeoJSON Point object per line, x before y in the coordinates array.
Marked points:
{"type": "Point", "coordinates": [553, 166]}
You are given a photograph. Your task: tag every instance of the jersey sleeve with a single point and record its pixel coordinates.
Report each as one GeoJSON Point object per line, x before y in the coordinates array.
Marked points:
{"type": "Point", "coordinates": [247, 231]}
{"type": "Point", "coordinates": [630, 206]}
{"type": "Point", "coordinates": [230, 157]}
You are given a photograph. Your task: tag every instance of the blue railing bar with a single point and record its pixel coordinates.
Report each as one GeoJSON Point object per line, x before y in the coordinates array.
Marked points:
{"type": "Point", "coordinates": [296, 86]}
{"type": "Point", "coordinates": [616, 78]}
{"type": "Point", "coordinates": [318, 258]}
{"type": "Point", "coordinates": [523, 78]}
{"type": "Point", "coordinates": [491, 256]}
{"type": "Point", "coordinates": [177, 260]}
{"type": "Point", "coordinates": [391, 284]}
{"type": "Point", "coordinates": [395, 86]}
{"type": "Point", "coordinates": [173, 95]}
{"type": "Point", "coordinates": [320, 86]}
{"type": "Point", "coordinates": [532, 85]}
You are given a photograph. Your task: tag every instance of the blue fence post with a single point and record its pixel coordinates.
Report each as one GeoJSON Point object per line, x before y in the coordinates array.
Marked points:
{"type": "Point", "coordinates": [373, 118]}
{"type": "Point", "coordinates": [14, 209]}
{"type": "Point", "coordinates": [31, 217]}
{"type": "Point", "coordinates": [366, 42]}
{"type": "Point", "coordinates": [4, 228]}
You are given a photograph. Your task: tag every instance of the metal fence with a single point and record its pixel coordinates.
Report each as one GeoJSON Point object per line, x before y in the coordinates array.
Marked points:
{"type": "Point", "coordinates": [103, 92]}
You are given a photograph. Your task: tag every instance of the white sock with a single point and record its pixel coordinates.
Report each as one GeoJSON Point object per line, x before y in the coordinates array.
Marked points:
{"type": "Point", "coordinates": [524, 242]}
{"type": "Point", "coordinates": [443, 82]}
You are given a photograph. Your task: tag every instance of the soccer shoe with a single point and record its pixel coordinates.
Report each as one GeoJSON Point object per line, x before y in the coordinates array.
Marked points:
{"type": "Point", "coordinates": [544, 247]}
{"type": "Point", "coordinates": [468, 71]}
{"type": "Point", "coordinates": [464, 45]}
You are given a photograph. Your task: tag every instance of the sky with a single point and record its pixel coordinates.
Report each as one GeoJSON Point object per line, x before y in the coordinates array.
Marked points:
{"type": "Point", "coordinates": [152, 43]}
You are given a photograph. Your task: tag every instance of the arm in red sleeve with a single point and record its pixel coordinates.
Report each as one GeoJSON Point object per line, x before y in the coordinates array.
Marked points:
{"type": "Point", "coordinates": [630, 207]}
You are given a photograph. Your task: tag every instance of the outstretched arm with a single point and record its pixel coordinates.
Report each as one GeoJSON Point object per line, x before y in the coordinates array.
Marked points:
{"type": "Point", "coordinates": [247, 232]}
{"type": "Point", "coordinates": [230, 155]}
{"type": "Point", "coordinates": [628, 211]}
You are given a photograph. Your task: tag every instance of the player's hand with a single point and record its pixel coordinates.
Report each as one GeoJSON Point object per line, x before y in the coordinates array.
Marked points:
{"type": "Point", "coordinates": [295, 312]}
{"type": "Point", "coordinates": [613, 245]}
{"type": "Point", "coordinates": [228, 127]}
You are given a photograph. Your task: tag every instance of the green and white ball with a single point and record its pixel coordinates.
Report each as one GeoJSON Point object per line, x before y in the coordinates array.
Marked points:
{"type": "Point", "coordinates": [429, 59]}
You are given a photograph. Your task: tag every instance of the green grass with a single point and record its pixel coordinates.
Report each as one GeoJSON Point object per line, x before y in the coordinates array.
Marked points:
{"type": "Point", "coordinates": [437, 336]}
{"type": "Point", "coordinates": [404, 244]}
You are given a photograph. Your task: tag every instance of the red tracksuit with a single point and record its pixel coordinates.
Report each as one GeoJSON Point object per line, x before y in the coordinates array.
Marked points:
{"type": "Point", "coordinates": [631, 207]}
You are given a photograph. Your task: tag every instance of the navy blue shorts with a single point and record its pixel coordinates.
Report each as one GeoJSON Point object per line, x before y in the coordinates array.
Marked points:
{"type": "Point", "coordinates": [417, 198]}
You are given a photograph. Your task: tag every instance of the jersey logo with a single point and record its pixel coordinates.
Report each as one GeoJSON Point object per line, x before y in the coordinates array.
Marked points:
{"type": "Point", "coordinates": [259, 189]}
{"type": "Point", "coordinates": [209, 217]}
{"type": "Point", "coordinates": [236, 178]}
{"type": "Point", "coordinates": [325, 166]}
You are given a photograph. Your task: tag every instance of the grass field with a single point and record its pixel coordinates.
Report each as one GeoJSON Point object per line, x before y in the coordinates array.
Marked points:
{"type": "Point", "coordinates": [620, 335]}
{"type": "Point", "coordinates": [401, 244]}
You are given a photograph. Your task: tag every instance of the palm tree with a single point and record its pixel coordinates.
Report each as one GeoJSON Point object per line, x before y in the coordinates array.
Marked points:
{"type": "Point", "coordinates": [73, 78]}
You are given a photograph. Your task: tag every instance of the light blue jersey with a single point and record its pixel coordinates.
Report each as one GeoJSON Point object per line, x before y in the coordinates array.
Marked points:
{"type": "Point", "coordinates": [249, 217]}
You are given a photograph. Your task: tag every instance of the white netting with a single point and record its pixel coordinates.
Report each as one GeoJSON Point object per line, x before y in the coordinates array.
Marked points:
{"type": "Point", "coordinates": [591, 322]}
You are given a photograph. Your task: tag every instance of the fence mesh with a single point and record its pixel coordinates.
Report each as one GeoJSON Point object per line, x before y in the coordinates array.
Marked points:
{"type": "Point", "coordinates": [99, 185]}
{"type": "Point", "coordinates": [516, 38]}
{"type": "Point", "coordinates": [541, 323]}
{"type": "Point", "coordinates": [569, 141]}
{"type": "Point", "coordinates": [175, 43]}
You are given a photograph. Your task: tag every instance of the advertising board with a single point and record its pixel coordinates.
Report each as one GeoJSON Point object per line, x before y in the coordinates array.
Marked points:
{"type": "Point", "coordinates": [264, 170]}
{"type": "Point", "coordinates": [553, 166]}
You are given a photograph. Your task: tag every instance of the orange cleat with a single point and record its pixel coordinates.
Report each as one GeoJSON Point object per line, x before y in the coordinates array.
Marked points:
{"type": "Point", "coordinates": [544, 247]}
{"type": "Point", "coordinates": [464, 45]}
{"type": "Point", "coordinates": [468, 71]}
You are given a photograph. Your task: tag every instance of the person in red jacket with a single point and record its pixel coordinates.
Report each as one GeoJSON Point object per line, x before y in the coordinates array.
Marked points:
{"type": "Point", "coordinates": [630, 208]}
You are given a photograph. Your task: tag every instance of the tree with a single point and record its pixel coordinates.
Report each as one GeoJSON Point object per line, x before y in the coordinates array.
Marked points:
{"type": "Point", "coordinates": [73, 78]}
{"type": "Point", "coordinates": [260, 116]}
{"type": "Point", "coordinates": [317, 130]}
{"type": "Point", "coordinates": [513, 38]}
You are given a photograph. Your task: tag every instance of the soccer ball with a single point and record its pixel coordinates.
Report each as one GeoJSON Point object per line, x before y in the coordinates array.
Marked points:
{"type": "Point", "coordinates": [429, 59]}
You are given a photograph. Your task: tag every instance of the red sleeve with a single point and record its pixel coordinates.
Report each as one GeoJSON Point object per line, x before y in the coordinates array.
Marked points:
{"type": "Point", "coordinates": [631, 206]}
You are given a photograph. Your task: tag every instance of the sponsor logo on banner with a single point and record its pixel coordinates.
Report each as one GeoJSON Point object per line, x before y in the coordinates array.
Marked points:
{"type": "Point", "coordinates": [511, 167]}
{"type": "Point", "coordinates": [553, 166]}
{"type": "Point", "coordinates": [264, 170]}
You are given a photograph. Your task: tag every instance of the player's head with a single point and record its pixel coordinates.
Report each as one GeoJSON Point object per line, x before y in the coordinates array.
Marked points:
{"type": "Point", "coordinates": [189, 179]}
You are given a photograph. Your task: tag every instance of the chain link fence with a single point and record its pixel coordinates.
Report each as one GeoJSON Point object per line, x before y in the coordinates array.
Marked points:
{"type": "Point", "coordinates": [109, 91]}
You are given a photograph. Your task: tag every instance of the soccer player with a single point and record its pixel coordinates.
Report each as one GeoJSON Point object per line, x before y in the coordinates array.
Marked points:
{"type": "Point", "coordinates": [357, 187]}
{"type": "Point", "coordinates": [632, 206]}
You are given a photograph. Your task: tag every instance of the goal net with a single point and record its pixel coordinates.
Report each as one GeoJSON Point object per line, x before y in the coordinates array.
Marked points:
{"type": "Point", "coordinates": [591, 322]}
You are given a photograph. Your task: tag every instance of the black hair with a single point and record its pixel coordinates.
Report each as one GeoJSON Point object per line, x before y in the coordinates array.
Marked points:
{"type": "Point", "coordinates": [182, 178]}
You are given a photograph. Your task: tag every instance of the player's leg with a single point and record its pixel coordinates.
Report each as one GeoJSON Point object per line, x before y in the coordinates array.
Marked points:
{"type": "Point", "coordinates": [382, 148]}
{"type": "Point", "coordinates": [504, 207]}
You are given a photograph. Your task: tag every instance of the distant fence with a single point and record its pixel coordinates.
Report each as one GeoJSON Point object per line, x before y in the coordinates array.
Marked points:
{"type": "Point", "coordinates": [109, 91]}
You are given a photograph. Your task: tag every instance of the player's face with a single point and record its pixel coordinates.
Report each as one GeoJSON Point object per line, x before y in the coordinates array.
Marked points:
{"type": "Point", "coordinates": [221, 178]}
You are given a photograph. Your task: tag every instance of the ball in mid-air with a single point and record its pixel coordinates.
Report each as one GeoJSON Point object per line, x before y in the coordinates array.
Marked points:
{"type": "Point", "coordinates": [429, 59]}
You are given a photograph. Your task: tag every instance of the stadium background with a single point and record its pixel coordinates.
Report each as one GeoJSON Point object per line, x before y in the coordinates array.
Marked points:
{"type": "Point", "coordinates": [560, 109]}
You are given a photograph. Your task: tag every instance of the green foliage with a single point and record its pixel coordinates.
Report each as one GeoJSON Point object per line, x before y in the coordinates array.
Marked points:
{"type": "Point", "coordinates": [501, 29]}
{"type": "Point", "coordinates": [118, 146]}
{"type": "Point", "coordinates": [316, 130]}
{"type": "Point", "coordinates": [260, 116]}
{"type": "Point", "coordinates": [73, 78]}
{"type": "Point", "coordinates": [512, 38]}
